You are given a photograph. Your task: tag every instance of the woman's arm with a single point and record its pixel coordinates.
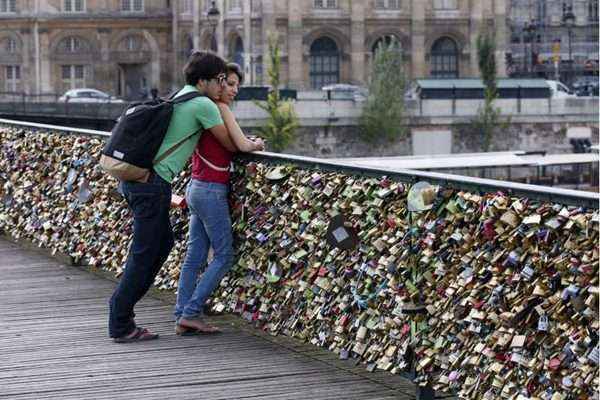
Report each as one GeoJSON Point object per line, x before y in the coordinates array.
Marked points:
{"type": "Point", "coordinates": [235, 132]}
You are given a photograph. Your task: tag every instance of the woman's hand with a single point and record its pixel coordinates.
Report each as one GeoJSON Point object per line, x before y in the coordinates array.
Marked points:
{"type": "Point", "coordinates": [259, 144]}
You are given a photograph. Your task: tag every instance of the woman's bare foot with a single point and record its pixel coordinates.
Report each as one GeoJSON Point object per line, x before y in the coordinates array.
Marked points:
{"type": "Point", "coordinates": [198, 325]}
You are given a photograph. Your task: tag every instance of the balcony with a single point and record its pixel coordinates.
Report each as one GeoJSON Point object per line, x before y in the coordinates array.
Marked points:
{"type": "Point", "coordinates": [589, 50]}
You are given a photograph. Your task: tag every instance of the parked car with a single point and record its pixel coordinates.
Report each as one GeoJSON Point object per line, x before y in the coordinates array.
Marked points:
{"type": "Point", "coordinates": [586, 86]}
{"type": "Point", "coordinates": [559, 90]}
{"type": "Point", "coordinates": [88, 96]}
{"type": "Point", "coordinates": [345, 91]}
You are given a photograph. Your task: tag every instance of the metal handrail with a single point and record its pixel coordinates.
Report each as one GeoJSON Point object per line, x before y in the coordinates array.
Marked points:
{"type": "Point", "coordinates": [478, 185]}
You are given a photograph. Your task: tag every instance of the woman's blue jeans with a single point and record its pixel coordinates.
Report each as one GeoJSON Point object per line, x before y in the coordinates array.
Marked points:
{"type": "Point", "coordinates": [210, 226]}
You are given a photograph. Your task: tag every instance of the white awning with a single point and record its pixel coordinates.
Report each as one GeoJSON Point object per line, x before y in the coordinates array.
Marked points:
{"type": "Point", "coordinates": [470, 160]}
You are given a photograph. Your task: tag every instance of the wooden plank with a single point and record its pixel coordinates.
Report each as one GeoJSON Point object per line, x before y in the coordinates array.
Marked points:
{"type": "Point", "coordinates": [54, 345]}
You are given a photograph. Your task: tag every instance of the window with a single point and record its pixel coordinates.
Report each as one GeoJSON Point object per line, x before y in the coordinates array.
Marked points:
{"type": "Point", "coordinates": [188, 46]}
{"type": "Point", "coordinates": [387, 4]}
{"type": "Point", "coordinates": [132, 5]}
{"type": "Point", "coordinates": [8, 6]}
{"type": "Point", "coordinates": [325, 3]}
{"type": "Point", "coordinates": [74, 6]}
{"type": "Point", "coordinates": [542, 12]}
{"type": "Point", "coordinates": [236, 51]}
{"type": "Point", "coordinates": [593, 11]}
{"type": "Point", "coordinates": [70, 44]}
{"type": "Point", "coordinates": [12, 75]}
{"type": "Point", "coordinates": [73, 76]}
{"type": "Point", "coordinates": [235, 5]}
{"type": "Point", "coordinates": [444, 59]}
{"type": "Point", "coordinates": [445, 4]}
{"type": "Point", "coordinates": [387, 40]}
{"type": "Point", "coordinates": [324, 63]}
{"type": "Point", "coordinates": [132, 43]}
{"type": "Point", "coordinates": [187, 6]}
{"type": "Point", "coordinates": [9, 45]}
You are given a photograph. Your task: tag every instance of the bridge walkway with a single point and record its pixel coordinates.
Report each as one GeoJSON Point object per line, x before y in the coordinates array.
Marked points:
{"type": "Point", "coordinates": [54, 345]}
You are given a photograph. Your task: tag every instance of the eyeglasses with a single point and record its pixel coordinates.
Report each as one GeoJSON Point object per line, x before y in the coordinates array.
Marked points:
{"type": "Point", "coordinates": [221, 78]}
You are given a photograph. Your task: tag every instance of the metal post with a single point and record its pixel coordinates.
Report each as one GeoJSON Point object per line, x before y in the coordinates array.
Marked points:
{"type": "Point", "coordinates": [569, 80]}
{"type": "Point", "coordinates": [524, 53]}
{"type": "Point", "coordinates": [453, 99]}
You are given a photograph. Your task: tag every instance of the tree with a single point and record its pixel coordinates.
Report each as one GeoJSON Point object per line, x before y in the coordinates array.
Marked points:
{"type": "Point", "coordinates": [488, 117]}
{"type": "Point", "coordinates": [281, 126]}
{"type": "Point", "coordinates": [383, 114]}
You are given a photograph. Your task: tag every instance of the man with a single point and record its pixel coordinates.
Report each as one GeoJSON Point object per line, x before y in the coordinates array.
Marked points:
{"type": "Point", "coordinates": [150, 201]}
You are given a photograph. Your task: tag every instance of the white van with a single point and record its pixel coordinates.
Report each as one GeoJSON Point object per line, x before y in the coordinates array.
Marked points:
{"type": "Point", "coordinates": [559, 91]}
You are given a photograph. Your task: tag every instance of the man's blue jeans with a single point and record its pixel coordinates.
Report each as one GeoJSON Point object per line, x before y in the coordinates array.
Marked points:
{"type": "Point", "coordinates": [210, 226]}
{"type": "Point", "coordinates": [150, 246]}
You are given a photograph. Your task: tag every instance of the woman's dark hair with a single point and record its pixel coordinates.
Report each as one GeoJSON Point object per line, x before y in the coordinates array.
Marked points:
{"type": "Point", "coordinates": [203, 65]}
{"type": "Point", "coordinates": [233, 68]}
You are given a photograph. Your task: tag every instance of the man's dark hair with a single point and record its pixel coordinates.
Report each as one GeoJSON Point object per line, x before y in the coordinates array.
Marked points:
{"type": "Point", "coordinates": [203, 65]}
{"type": "Point", "coordinates": [233, 68]}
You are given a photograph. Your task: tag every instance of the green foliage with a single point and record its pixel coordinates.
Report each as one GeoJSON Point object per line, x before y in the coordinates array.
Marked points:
{"type": "Point", "coordinates": [383, 114]}
{"type": "Point", "coordinates": [281, 126]}
{"type": "Point", "coordinates": [486, 58]}
{"type": "Point", "coordinates": [488, 117]}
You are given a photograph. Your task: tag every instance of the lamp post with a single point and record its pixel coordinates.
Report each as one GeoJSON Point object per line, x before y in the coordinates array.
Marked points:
{"type": "Point", "coordinates": [212, 15]}
{"type": "Point", "coordinates": [530, 27]}
{"type": "Point", "coordinates": [568, 21]}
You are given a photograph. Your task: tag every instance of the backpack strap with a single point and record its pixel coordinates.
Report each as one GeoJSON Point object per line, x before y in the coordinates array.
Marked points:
{"type": "Point", "coordinates": [179, 100]}
{"type": "Point", "coordinates": [175, 147]}
{"type": "Point", "coordinates": [185, 97]}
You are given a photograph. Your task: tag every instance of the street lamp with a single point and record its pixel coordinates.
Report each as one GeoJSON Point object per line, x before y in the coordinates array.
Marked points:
{"type": "Point", "coordinates": [530, 27]}
{"type": "Point", "coordinates": [212, 15]}
{"type": "Point", "coordinates": [568, 21]}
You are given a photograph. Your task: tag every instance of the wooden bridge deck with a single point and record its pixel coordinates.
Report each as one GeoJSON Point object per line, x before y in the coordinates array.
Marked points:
{"type": "Point", "coordinates": [54, 345]}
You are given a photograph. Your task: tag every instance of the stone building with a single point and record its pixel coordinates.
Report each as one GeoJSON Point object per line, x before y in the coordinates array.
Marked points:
{"type": "Point", "coordinates": [539, 42]}
{"type": "Point", "coordinates": [127, 47]}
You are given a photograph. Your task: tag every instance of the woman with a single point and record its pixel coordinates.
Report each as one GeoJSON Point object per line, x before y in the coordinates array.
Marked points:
{"type": "Point", "coordinates": [210, 223]}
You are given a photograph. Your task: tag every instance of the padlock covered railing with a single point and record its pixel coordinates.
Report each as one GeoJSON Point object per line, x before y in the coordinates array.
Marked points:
{"type": "Point", "coordinates": [507, 274]}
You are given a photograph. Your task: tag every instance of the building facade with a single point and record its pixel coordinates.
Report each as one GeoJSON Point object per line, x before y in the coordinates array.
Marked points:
{"type": "Point", "coordinates": [128, 47]}
{"type": "Point", "coordinates": [542, 44]}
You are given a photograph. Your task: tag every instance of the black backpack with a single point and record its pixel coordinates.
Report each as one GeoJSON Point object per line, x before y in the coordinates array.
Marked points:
{"type": "Point", "coordinates": [131, 150]}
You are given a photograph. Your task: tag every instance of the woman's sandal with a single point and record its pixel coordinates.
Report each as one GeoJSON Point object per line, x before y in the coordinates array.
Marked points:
{"type": "Point", "coordinates": [138, 335]}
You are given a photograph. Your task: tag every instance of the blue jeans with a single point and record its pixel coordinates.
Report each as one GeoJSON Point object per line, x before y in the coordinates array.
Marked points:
{"type": "Point", "coordinates": [210, 226]}
{"type": "Point", "coordinates": [150, 246]}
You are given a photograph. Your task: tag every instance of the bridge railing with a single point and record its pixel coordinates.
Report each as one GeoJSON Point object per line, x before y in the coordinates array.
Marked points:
{"type": "Point", "coordinates": [493, 290]}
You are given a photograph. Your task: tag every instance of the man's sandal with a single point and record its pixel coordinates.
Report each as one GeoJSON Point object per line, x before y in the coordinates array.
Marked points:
{"type": "Point", "coordinates": [138, 335]}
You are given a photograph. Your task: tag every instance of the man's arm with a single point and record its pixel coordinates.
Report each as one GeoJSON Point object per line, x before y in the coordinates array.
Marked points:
{"type": "Point", "coordinates": [221, 134]}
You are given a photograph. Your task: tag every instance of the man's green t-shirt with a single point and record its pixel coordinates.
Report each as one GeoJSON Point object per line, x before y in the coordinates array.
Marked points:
{"type": "Point", "coordinates": [192, 116]}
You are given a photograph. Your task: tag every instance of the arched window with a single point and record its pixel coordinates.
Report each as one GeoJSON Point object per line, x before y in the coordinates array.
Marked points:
{"type": "Point", "coordinates": [386, 40]}
{"type": "Point", "coordinates": [132, 43]}
{"type": "Point", "coordinates": [73, 44]}
{"type": "Point", "coordinates": [9, 45]}
{"type": "Point", "coordinates": [324, 63]}
{"type": "Point", "coordinates": [236, 51]}
{"type": "Point", "coordinates": [444, 59]}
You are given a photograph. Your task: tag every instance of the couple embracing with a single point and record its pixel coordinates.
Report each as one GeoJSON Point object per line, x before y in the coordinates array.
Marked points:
{"type": "Point", "coordinates": [206, 196]}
